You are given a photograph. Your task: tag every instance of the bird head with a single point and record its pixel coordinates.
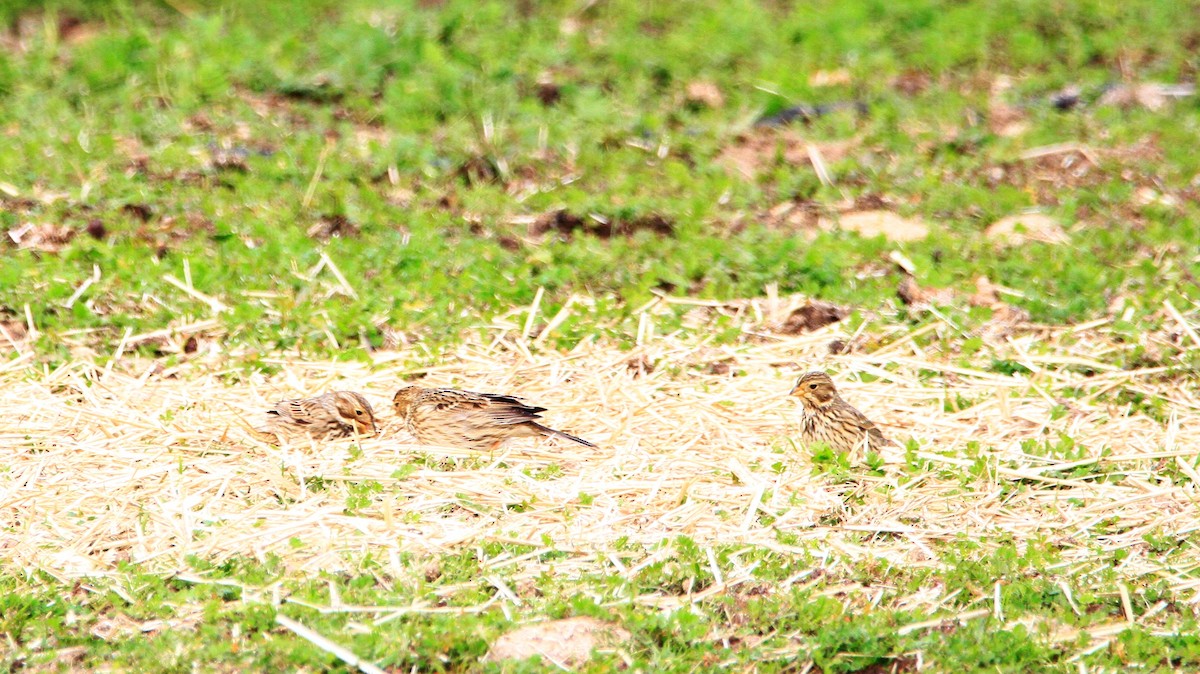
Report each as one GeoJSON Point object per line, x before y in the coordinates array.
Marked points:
{"type": "Point", "coordinates": [815, 390]}
{"type": "Point", "coordinates": [354, 409]}
{"type": "Point", "coordinates": [403, 401]}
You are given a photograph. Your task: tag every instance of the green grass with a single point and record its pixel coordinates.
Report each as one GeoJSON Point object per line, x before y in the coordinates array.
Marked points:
{"type": "Point", "coordinates": [207, 138]}
{"type": "Point", "coordinates": [844, 620]}
{"type": "Point", "coordinates": [320, 104]}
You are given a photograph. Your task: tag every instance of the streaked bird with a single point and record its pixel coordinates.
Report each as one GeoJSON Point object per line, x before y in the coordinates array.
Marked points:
{"type": "Point", "coordinates": [449, 417]}
{"type": "Point", "coordinates": [333, 414]}
{"type": "Point", "coordinates": [831, 420]}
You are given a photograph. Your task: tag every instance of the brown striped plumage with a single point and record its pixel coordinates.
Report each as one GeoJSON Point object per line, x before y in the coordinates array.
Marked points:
{"type": "Point", "coordinates": [449, 417]}
{"type": "Point", "coordinates": [833, 421]}
{"type": "Point", "coordinates": [334, 414]}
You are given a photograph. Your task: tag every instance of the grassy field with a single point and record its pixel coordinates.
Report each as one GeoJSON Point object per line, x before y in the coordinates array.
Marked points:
{"type": "Point", "coordinates": [209, 206]}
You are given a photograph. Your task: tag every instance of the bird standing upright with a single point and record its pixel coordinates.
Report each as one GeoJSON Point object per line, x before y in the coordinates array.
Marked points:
{"type": "Point", "coordinates": [450, 417]}
{"type": "Point", "coordinates": [831, 420]}
{"type": "Point", "coordinates": [333, 414]}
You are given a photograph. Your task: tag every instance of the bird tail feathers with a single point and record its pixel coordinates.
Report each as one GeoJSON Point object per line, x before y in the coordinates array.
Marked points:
{"type": "Point", "coordinates": [550, 431]}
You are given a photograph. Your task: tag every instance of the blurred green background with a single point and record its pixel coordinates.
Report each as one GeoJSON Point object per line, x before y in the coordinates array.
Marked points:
{"type": "Point", "coordinates": [424, 146]}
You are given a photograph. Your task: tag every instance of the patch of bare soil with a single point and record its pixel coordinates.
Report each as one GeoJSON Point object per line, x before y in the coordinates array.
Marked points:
{"type": "Point", "coordinates": [332, 225]}
{"type": "Point", "coordinates": [43, 237]}
{"type": "Point", "coordinates": [1016, 230]}
{"type": "Point", "coordinates": [1051, 171]}
{"type": "Point", "coordinates": [704, 94]}
{"type": "Point", "coordinates": [763, 149]}
{"type": "Point", "coordinates": [892, 226]}
{"type": "Point", "coordinates": [567, 223]}
{"type": "Point", "coordinates": [566, 643]}
{"type": "Point", "coordinates": [814, 315]}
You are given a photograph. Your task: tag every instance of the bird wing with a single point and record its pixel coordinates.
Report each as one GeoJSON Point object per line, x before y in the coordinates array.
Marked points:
{"type": "Point", "coordinates": [873, 433]}
{"type": "Point", "coordinates": [451, 398]}
{"type": "Point", "coordinates": [510, 410]}
{"type": "Point", "coordinates": [469, 405]}
{"type": "Point", "coordinates": [295, 411]}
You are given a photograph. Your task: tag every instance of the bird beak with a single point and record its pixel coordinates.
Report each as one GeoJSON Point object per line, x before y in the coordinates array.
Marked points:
{"type": "Point", "coordinates": [794, 390]}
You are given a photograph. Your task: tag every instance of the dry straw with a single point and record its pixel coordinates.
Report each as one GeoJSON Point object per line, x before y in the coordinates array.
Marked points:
{"type": "Point", "coordinates": [128, 462]}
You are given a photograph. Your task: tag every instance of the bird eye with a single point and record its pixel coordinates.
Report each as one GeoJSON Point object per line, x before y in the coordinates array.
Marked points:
{"type": "Point", "coordinates": [358, 412]}
{"type": "Point", "coordinates": [812, 386]}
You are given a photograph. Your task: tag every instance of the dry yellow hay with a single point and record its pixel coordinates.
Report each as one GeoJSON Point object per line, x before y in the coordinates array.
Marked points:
{"type": "Point", "coordinates": [129, 462]}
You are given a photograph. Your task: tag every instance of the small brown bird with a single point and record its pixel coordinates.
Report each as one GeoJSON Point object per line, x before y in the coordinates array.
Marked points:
{"type": "Point", "coordinates": [833, 421]}
{"type": "Point", "coordinates": [450, 417]}
{"type": "Point", "coordinates": [334, 414]}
